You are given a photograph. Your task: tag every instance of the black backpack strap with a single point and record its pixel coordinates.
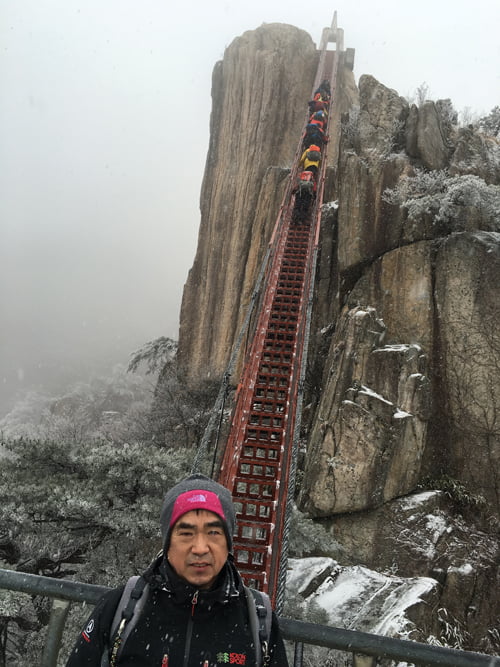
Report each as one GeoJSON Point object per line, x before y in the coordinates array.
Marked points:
{"type": "Point", "coordinates": [127, 612]}
{"type": "Point", "coordinates": [260, 616]}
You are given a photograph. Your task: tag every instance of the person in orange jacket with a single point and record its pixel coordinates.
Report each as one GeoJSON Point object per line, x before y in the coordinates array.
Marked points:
{"type": "Point", "coordinates": [318, 104]}
{"type": "Point", "coordinates": [316, 121]}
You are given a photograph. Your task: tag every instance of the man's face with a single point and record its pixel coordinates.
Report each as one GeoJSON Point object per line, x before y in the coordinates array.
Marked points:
{"type": "Point", "coordinates": [198, 548]}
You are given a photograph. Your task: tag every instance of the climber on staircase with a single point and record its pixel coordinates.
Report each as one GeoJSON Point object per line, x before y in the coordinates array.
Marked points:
{"type": "Point", "coordinates": [305, 192]}
{"type": "Point", "coordinates": [318, 104]}
{"type": "Point", "coordinates": [314, 134]}
{"type": "Point", "coordinates": [311, 159]}
{"type": "Point", "coordinates": [324, 90]}
{"type": "Point", "coordinates": [319, 116]}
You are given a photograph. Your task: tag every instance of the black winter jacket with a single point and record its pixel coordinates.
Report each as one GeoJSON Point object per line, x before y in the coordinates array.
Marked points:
{"type": "Point", "coordinates": [179, 626]}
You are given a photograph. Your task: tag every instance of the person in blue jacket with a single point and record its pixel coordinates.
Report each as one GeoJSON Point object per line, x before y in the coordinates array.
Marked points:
{"type": "Point", "coordinates": [313, 134]}
{"type": "Point", "coordinates": [195, 613]}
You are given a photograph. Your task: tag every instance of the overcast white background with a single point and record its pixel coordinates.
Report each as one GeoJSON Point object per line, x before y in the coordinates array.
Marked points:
{"type": "Point", "coordinates": [98, 214]}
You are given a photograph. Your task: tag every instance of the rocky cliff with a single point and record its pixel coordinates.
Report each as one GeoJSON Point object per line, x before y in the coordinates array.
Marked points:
{"type": "Point", "coordinates": [257, 113]}
{"type": "Point", "coordinates": [404, 391]}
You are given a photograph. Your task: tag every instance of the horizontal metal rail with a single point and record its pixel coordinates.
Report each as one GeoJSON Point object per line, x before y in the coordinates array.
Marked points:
{"type": "Point", "coordinates": [350, 641]}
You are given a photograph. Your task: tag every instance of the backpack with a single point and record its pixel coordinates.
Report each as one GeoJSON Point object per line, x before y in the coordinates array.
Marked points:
{"type": "Point", "coordinates": [313, 155]}
{"type": "Point", "coordinates": [314, 129]}
{"type": "Point", "coordinates": [305, 185]}
{"type": "Point", "coordinates": [127, 612]}
{"type": "Point", "coordinates": [132, 602]}
{"type": "Point", "coordinates": [319, 123]}
{"type": "Point", "coordinates": [319, 115]}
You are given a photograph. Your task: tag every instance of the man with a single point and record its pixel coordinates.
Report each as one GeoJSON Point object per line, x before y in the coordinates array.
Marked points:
{"type": "Point", "coordinates": [313, 135]}
{"type": "Point", "coordinates": [310, 159]}
{"type": "Point", "coordinates": [195, 613]}
{"type": "Point", "coordinates": [304, 191]}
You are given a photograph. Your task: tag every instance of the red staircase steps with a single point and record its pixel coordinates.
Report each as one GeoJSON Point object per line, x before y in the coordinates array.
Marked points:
{"type": "Point", "coordinates": [257, 457]}
{"type": "Point", "coordinates": [253, 469]}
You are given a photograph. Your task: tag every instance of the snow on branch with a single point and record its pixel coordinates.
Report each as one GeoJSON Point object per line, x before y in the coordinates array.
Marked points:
{"type": "Point", "coordinates": [438, 194]}
{"type": "Point", "coordinates": [154, 354]}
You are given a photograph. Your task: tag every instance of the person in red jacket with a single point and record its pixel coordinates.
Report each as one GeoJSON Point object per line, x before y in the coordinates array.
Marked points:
{"type": "Point", "coordinates": [195, 612]}
{"type": "Point", "coordinates": [317, 104]}
{"type": "Point", "coordinates": [319, 115]}
{"type": "Point", "coordinates": [318, 122]}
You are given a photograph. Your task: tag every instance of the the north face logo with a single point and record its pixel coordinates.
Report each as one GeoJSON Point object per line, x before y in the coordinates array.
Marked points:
{"type": "Point", "coordinates": [198, 498]}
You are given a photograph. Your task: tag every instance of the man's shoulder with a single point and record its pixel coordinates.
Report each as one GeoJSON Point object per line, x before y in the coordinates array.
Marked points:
{"type": "Point", "coordinates": [113, 593]}
{"type": "Point", "coordinates": [108, 602]}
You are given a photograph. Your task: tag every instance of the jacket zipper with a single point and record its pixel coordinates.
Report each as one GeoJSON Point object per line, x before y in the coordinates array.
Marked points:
{"type": "Point", "coordinates": [189, 629]}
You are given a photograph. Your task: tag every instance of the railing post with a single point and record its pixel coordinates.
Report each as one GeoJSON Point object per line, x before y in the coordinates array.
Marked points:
{"type": "Point", "coordinates": [359, 660]}
{"type": "Point", "coordinates": [58, 615]}
{"type": "Point", "coordinates": [299, 652]}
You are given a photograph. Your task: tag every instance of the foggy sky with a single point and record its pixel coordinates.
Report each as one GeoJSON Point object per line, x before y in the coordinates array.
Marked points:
{"type": "Point", "coordinates": [102, 101]}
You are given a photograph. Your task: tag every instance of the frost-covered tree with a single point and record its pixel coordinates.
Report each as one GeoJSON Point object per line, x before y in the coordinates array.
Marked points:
{"type": "Point", "coordinates": [90, 511]}
{"type": "Point", "coordinates": [310, 538]}
{"type": "Point", "coordinates": [107, 408]}
{"type": "Point", "coordinates": [154, 354]}
{"type": "Point", "coordinates": [61, 502]}
{"type": "Point", "coordinates": [490, 124]}
{"type": "Point", "coordinates": [180, 410]}
{"type": "Point", "coordinates": [445, 197]}
{"type": "Point", "coordinates": [468, 117]}
{"type": "Point", "coordinates": [420, 95]}
{"type": "Point", "coordinates": [83, 479]}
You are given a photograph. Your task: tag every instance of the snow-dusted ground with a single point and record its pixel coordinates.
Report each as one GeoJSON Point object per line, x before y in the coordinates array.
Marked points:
{"type": "Point", "coordinates": [330, 205]}
{"type": "Point", "coordinates": [355, 597]}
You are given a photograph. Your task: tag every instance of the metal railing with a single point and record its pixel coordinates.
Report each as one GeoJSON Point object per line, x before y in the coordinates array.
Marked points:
{"type": "Point", "coordinates": [359, 644]}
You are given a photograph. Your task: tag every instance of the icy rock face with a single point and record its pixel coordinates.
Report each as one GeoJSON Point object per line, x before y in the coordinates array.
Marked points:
{"type": "Point", "coordinates": [366, 447]}
{"type": "Point", "coordinates": [426, 136]}
{"type": "Point", "coordinates": [400, 282]}
{"type": "Point", "coordinates": [431, 285]}
{"type": "Point", "coordinates": [444, 298]}
{"type": "Point", "coordinates": [476, 154]}
{"type": "Point", "coordinates": [356, 597]}
{"type": "Point", "coordinates": [414, 538]}
{"type": "Point", "coordinates": [385, 140]}
{"type": "Point", "coordinates": [467, 305]}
